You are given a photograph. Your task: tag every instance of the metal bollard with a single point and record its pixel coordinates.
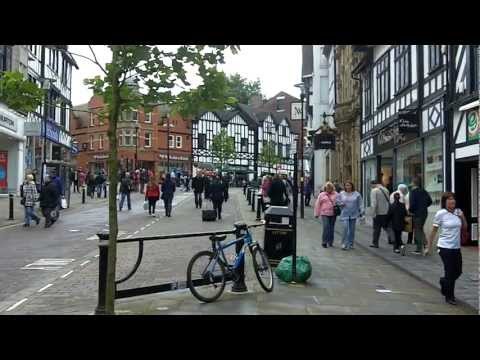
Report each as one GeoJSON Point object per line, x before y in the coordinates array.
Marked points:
{"type": "Point", "coordinates": [259, 205]}
{"type": "Point", "coordinates": [253, 200]}
{"type": "Point", "coordinates": [249, 196]}
{"type": "Point", "coordinates": [10, 205]}
{"type": "Point", "coordinates": [239, 285]}
{"type": "Point", "coordinates": [102, 274]}
{"type": "Point", "coordinates": [83, 194]}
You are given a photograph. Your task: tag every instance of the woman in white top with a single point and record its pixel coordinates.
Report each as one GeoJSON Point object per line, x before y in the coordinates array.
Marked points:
{"type": "Point", "coordinates": [450, 221]}
{"type": "Point", "coordinates": [352, 208]}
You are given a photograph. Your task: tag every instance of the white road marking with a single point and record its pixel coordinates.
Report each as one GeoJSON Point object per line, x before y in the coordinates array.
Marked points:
{"type": "Point", "coordinates": [42, 268]}
{"type": "Point", "coordinates": [153, 222]}
{"type": "Point", "coordinates": [45, 287]}
{"type": "Point", "coordinates": [142, 228]}
{"type": "Point", "coordinates": [94, 237]}
{"type": "Point", "coordinates": [47, 264]}
{"type": "Point", "coordinates": [85, 262]}
{"type": "Point", "coordinates": [97, 255]}
{"type": "Point", "coordinates": [17, 304]}
{"type": "Point", "coordinates": [148, 225]}
{"type": "Point", "coordinates": [316, 300]}
{"type": "Point", "coordinates": [65, 275]}
{"type": "Point", "coordinates": [74, 230]}
{"type": "Point", "coordinates": [129, 236]}
{"type": "Point", "coordinates": [136, 232]}
{"type": "Point", "coordinates": [384, 291]}
{"type": "Point", "coordinates": [162, 308]}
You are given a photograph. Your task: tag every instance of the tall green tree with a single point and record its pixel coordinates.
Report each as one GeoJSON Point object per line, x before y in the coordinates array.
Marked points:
{"type": "Point", "coordinates": [223, 148]}
{"type": "Point", "coordinates": [267, 157]}
{"type": "Point", "coordinates": [18, 93]}
{"type": "Point", "coordinates": [242, 89]}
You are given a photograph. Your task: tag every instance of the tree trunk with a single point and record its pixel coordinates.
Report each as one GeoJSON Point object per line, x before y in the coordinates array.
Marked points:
{"type": "Point", "coordinates": [113, 175]}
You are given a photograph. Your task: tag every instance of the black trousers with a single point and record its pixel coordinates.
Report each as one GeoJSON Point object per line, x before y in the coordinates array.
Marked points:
{"type": "Point", "coordinates": [152, 203]}
{"type": "Point", "coordinates": [198, 199]}
{"type": "Point", "coordinates": [307, 199]}
{"type": "Point", "coordinates": [452, 263]}
{"type": "Point", "coordinates": [379, 222]}
{"type": "Point", "coordinates": [167, 201]}
{"type": "Point", "coordinates": [75, 186]}
{"type": "Point", "coordinates": [217, 205]}
{"type": "Point", "coordinates": [398, 239]}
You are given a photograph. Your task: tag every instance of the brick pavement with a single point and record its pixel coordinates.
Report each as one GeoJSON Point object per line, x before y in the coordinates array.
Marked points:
{"type": "Point", "coordinates": [341, 283]}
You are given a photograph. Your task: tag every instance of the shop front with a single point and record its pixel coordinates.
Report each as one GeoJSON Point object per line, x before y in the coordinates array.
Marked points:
{"type": "Point", "coordinates": [179, 164]}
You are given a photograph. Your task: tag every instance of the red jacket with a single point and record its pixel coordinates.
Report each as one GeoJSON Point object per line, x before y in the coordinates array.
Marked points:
{"type": "Point", "coordinates": [153, 191]}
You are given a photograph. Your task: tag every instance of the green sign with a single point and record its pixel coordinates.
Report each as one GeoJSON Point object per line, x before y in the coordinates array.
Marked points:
{"type": "Point", "coordinates": [473, 126]}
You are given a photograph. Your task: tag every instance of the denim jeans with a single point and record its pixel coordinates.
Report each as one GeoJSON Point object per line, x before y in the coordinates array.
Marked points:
{"type": "Point", "coordinates": [30, 214]}
{"type": "Point", "coordinates": [348, 232]}
{"type": "Point", "coordinates": [328, 229]}
{"type": "Point", "coordinates": [122, 199]}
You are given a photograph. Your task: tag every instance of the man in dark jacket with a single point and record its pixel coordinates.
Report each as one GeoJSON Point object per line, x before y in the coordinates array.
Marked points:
{"type": "Point", "coordinates": [168, 189]}
{"type": "Point", "coordinates": [218, 194]}
{"type": "Point", "coordinates": [49, 199]}
{"type": "Point", "coordinates": [420, 200]}
{"type": "Point", "coordinates": [198, 186]}
{"type": "Point", "coordinates": [125, 188]}
{"type": "Point", "coordinates": [278, 192]}
{"type": "Point", "coordinates": [99, 180]}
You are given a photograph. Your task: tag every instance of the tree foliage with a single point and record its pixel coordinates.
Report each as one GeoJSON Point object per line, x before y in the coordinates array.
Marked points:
{"type": "Point", "coordinates": [223, 147]}
{"type": "Point", "coordinates": [18, 93]}
{"type": "Point", "coordinates": [267, 156]}
{"type": "Point", "coordinates": [242, 89]}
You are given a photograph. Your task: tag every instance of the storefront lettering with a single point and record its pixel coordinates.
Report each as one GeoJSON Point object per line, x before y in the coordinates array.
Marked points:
{"type": "Point", "coordinates": [473, 126]}
{"type": "Point", "coordinates": [100, 157]}
{"type": "Point", "coordinates": [173, 157]}
{"type": "Point", "coordinates": [8, 123]}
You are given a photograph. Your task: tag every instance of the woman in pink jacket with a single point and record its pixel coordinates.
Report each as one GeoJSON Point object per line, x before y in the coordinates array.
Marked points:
{"type": "Point", "coordinates": [324, 207]}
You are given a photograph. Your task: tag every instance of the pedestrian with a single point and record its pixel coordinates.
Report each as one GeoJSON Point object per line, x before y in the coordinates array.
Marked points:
{"type": "Point", "coordinates": [99, 181]}
{"type": "Point", "coordinates": [218, 194]}
{"type": "Point", "coordinates": [152, 194]}
{"type": "Point", "coordinates": [244, 185]}
{"type": "Point", "coordinates": [104, 184]}
{"type": "Point", "coordinates": [265, 187]}
{"type": "Point", "coordinates": [125, 189]}
{"type": "Point", "coordinates": [168, 190]}
{"type": "Point", "coordinates": [325, 207]}
{"type": "Point", "coordinates": [338, 187]}
{"type": "Point", "coordinates": [351, 203]}
{"type": "Point", "coordinates": [198, 186]}
{"type": "Point", "coordinates": [207, 186]}
{"type": "Point", "coordinates": [308, 189]}
{"type": "Point", "coordinates": [278, 192]}
{"type": "Point", "coordinates": [402, 190]}
{"type": "Point", "coordinates": [143, 180]}
{"type": "Point", "coordinates": [82, 178]}
{"type": "Point", "coordinates": [451, 221]}
{"type": "Point", "coordinates": [49, 198]}
{"type": "Point", "coordinates": [396, 220]}
{"type": "Point", "coordinates": [57, 180]}
{"type": "Point", "coordinates": [29, 197]}
{"type": "Point", "coordinates": [420, 200]}
{"type": "Point", "coordinates": [91, 184]}
{"type": "Point", "coordinates": [380, 203]}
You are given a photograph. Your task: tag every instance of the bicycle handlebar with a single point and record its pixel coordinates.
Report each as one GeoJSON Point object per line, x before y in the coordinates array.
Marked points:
{"type": "Point", "coordinates": [257, 225]}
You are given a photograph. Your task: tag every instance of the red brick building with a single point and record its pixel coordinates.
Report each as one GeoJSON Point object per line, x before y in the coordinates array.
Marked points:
{"type": "Point", "coordinates": [150, 129]}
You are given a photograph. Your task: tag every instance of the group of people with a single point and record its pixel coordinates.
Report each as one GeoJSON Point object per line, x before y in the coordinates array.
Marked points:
{"type": "Point", "coordinates": [49, 197]}
{"type": "Point", "coordinates": [214, 188]}
{"type": "Point", "coordinates": [276, 190]}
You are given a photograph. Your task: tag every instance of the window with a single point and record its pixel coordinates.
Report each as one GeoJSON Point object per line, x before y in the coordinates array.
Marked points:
{"type": "Point", "coordinates": [127, 138]}
{"type": "Point", "coordinates": [5, 58]}
{"type": "Point", "coordinates": [280, 150]}
{"type": "Point", "coordinates": [280, 103]}
{"type": "Point", "coordinates": [91, 142]}
{"type": "Point", "coordinates": [148, 117]}
{"type": "Point", "coordinates": [148, 139]}
{"type": "Point", "coordinates": [434, 57]}
{"type": "Point", "coordinates": [284, 130]}
{"type": "Point", "coordinates": [130, 115]}
{"type": "Point", "coordinates": [202, 141]}
{"type": "Point", "coordinates": [409, 162]}
{"type": "Point", "coordinates": [383, 80]}
{"type": "Point", "coordinates": [287, 150]}
{"type": "Point", "coordinates": [63, 115]}
{"type": "Point", "coordinates": [65, 70]}
{"type": "Point", "coordinates": [402, 67]}
{"type": "Point", "coordinates": [171, 141]}
{"type": "Point", "coordinates": [92, 120]}
{"type": "Point", "coordinates": [100, 141]}
{"type": "Point", "coordinates": [244, 144]}
{"type": "Point", "coordinates": [367, 93]}
{"type": "Point", "coordinates": [179, 142]}
{"type": "Point", "coordinates": [53, 60]}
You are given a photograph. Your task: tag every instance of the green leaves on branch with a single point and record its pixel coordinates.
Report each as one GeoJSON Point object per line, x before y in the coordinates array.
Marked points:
{"type": "Point", "coordinates": [223, 147]}
{"type": "Point", "coordinates": [267, 157]}
{"type": "Point", "coordinates": [242, 89]}
{"type": "Point", "coordinates": [18, 93]}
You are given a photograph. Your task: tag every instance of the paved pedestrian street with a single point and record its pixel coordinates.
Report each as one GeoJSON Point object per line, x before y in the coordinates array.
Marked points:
{"type": "Point", "coordinates": [342, 282]}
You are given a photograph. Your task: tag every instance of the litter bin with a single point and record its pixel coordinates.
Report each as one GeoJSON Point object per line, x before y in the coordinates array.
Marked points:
{"type": "Point", "coordinates": [279, 233]}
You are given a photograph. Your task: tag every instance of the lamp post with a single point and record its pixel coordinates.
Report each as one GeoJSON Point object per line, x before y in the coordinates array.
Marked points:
{"type": "Point", "coordinates": [136, 146]}
{"type": "Point", "coordinates": [302, 190]}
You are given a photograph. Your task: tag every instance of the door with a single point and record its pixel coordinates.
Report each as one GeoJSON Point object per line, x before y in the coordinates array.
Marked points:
{"type": "Point", "coordinates": [466, 173]}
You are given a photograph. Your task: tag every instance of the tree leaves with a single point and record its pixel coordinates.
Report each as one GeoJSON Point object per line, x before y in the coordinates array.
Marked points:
{"type": "Point", "coordinates": [18, 93]}
{"type": "Point", "coordinates": [267, 156]}
{"type": "Point", "coordinates": [223, 147]}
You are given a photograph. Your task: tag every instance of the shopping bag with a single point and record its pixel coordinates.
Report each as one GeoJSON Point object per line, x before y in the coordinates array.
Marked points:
{"type": "Point", "coordinates": [408, 224]}
{"type": "Point", "coordinates": [63, 203]}
{"type": "Point", "coordinates": [145, 205]}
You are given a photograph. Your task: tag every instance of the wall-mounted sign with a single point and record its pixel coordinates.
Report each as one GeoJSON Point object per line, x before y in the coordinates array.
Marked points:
{"type": "Point", "coordinates": [397, 133]}
{"type": "Point", "coordinates": [473, 125]}
{"type": "Point", "coordinates": [324, 141]}
{"type": "Point", "coordinates": [174, 157]}
{"type": "Point", "coordinates": [8, 123]}
{"type": "Point", "coordinates": [100, 157]}
{"type": "Point", "coordinates": [296, 111]}
{"type": "Point", "coordinates": [53, 132]}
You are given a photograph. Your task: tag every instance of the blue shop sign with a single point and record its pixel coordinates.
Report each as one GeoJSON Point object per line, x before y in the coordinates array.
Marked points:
{"type": "Point", "coordinates": [53, 132]}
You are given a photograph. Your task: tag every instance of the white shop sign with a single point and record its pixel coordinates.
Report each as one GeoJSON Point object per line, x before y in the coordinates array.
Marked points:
{"type": "Point", "coordinates": [8, 123]}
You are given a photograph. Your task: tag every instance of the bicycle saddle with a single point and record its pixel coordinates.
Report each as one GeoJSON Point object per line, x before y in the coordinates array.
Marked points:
{"type": "Point", "coordinates": [218, 237]}
{"type": "Point", "coordinates": [240, 225]}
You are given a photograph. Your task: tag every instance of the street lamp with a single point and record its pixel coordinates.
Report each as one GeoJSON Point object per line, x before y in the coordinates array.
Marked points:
{"type": "Point", "coordinates": [136, 146]}
{"type": "Point", "coordinates": [302, 190]}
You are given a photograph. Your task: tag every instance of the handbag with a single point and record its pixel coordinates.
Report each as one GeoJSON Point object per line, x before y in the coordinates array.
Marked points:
{"type": "Point", "coordinates": [337, 210]}
{"type": "Point", "coordinates": [408, 224]}
{"type": "Point", "coordinates": [145, 205]}
{"type": "Point", "coordinates": [63, 203]}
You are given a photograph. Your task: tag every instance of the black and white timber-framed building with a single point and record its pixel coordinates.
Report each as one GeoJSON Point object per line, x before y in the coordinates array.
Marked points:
{"type": "Point", "coordinates": [249, 129]}
{"type": "Point", "coordinates": [412, 123]}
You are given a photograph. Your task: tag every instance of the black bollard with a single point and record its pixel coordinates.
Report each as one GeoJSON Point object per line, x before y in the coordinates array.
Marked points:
{"type": "Point", "coordinates": [249, 196]}
{"type": "Point", "coordinates": [102, 274]}
{"type": "Point", "coordinates": [253, 200]}
{"type": "Point", "coordinates": [239, 285]}
{"type": "Point", "coordinates": [83, 194]}
{"type": "Point", "coordinates": [259, 205]}
{"type": "Point", "coordinates": [10, 198]}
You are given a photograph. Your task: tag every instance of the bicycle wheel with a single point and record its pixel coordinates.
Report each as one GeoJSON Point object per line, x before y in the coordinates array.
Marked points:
{"type": "Point", "coordinates": [205, 277]}
{"type": "Point", "coordinates": [262, 268]}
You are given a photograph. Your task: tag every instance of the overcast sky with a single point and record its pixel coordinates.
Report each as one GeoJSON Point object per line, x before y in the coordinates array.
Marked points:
{"type": "Point", "coordinates": [277, 66]}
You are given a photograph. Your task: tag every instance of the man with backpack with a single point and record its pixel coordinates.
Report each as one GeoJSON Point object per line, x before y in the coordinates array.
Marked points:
{"type": "Point", "coordinates": [380, 205]}
{"type": "Point", "coordinates": [420, 200]}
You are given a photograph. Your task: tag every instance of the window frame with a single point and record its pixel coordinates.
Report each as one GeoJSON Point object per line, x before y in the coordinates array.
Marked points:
{"type": "Point", "coordinates": [148, 117]}
{"type": "Point", "coordinates": [178, 137]}
{"type": "Point", "coordinates": [149, 137]}
{"type": "Point", "coordinates": [367, 93]}
{"type": "Point", "coordinates": [100, 141]}
{"type": "Point", "coordinates": [202, 145]}
{"type": "Point", "coordinates": [402, 67]}
{"type": "Point", "coordinates": [92, 139]}
{"type": "Point", "coordinates": [383, 78]}
{"type": "Point", "coordinates": [92, 120]}
{"type": "Point", "coordinates": [435, 60]}
{"type": "Point", "coordinates": [171, 141]}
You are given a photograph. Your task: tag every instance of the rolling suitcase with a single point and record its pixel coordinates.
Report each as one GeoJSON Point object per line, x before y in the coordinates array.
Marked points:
{"type": "Point", "coordinates": [209, 215]}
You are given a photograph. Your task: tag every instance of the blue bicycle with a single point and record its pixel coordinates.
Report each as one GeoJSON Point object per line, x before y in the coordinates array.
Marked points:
{"type": "Point", "coordinates": [208, 271]}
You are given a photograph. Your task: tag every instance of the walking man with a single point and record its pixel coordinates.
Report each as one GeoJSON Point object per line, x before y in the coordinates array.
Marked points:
{"type": "Point", "coordinates": [420, 200]}
{"type": "Point", "coordinates": [380, 204]}
{"type": "Point", "coordinates": [168, 190]}
{"type": "Point", "coordinates": [125, 188]}
{"type": "Point", "coordinates": [218, 194]}
{"type": "Point", "coordinates": [29, 196]}
{"type": "Point", "coordinates": [198, 186]}
{"type": "Point", "coordinates": [49, 198]}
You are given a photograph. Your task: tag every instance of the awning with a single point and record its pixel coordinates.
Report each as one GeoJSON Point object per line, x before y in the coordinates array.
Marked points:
{"type": "Point", "coordinates": [472, 105]}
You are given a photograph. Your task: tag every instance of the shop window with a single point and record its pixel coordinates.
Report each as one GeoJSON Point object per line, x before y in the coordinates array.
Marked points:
{"type": "Point", "coordinates": [409, 163]}
{"type": "Point", "coordinates": [370, 174]}
{"type": "Point", "coordinates": [433, 182]}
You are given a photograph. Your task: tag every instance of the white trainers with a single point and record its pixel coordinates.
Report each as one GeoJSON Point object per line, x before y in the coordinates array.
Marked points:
{"type": "Point", "coordinates": [402, 250]}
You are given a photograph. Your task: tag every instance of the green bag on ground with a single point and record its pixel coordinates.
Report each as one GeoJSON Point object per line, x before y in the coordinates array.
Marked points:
{"type": "Point", "coordinates": [304, 269]}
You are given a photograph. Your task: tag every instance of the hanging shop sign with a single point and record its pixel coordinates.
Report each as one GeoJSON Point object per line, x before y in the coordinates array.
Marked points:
{"type": "Point", "coordinates": [398, 133]}
{"type": "Point", "coordinates": [3, 170]}
{"type": "Point", "coordinates": [324, 141]}
{"type": "Point", "coordinates": [473, 125]}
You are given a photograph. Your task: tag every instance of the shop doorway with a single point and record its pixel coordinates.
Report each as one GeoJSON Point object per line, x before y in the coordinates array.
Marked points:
{"type": "Point", "coordinates": [385, 169]}
{"type": "Point", "coordinates": [466, 191]}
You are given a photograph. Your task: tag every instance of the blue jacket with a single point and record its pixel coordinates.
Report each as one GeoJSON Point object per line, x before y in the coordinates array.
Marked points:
{"type": "Point", "coordinates": [420, 200]}
{"type": "Point", "coordinates": [168, 188]}
{"type": "Point", "coordinates": [352, 205]}
{"type": "Point", "coordinates": [59, 183]}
